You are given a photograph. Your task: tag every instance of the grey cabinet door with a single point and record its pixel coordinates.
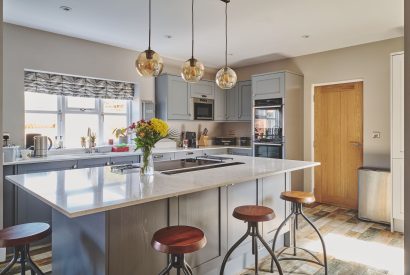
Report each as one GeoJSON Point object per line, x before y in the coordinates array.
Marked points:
{"type": "Point", "coordinates": [179, 100]}
{"type": "Point", "coordinates": [9, 192]}
{"type": "Point", "coordinates": [203, 89]}
{"type": "Point", "coordinates": [245, 100]}
{"type": "Point", "coordinates": [46, 167]}
{"type": "Point", "coordinates": [268, 86]}
{"type": "Point", "coordinates": [271, 188]}
{"type": "Point", "coordinates": [244, 193]}
{"type": "Point", "coordinates": [232, 104]}
{"type": "Point", "coordinates": [220, 105]}
{"type": "Point", "coordinates": [202, 210]}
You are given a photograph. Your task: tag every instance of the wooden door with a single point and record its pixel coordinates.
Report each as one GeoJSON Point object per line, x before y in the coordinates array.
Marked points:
{"type": "Point", "coordinates": [338, 142]}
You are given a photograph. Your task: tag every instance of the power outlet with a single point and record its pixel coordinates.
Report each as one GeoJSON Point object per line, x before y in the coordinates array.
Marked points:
{"type": "Point", "coordinates": [376, 134]}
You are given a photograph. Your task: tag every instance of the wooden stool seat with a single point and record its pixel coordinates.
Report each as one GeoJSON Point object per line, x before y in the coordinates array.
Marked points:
{"type": "Point", "coordinates": [23, 234]}
{"type": "Point", "coordinates": [298, 197]}
{"type": "Point", "coordinates": [253, 213]}
{"type": "Point", "coordinates": [178, 240]}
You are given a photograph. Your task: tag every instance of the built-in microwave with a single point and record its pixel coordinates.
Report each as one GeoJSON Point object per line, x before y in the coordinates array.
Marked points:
{"type": "Point", "coordinates": [203, 109]}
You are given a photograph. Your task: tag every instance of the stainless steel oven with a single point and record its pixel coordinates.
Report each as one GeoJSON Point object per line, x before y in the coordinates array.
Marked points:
{"type": "Point", "coordinates": [268, 138]}
{"type": "Point", "coordinates": [203, 109]}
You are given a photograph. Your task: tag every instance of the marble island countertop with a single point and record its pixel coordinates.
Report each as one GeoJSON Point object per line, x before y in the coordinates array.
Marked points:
{"type": "Point", "coordinates": [92, 190]}
{"type": "Point", "coordinates": [77, 156]}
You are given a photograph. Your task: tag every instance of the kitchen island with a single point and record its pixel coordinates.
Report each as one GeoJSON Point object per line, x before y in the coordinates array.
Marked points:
{"type": "Point", "coordinates": [103, 221]}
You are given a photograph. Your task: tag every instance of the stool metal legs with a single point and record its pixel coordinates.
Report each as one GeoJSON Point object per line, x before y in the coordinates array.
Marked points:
{"type": "Point", "coordinates": [252, 231]}
{"type": "Point", "coordinates": [22, 256]}
{"type": "Point", "coordinates": [296, 212]}
{"type": "Point", "coordinates": [177, 262]}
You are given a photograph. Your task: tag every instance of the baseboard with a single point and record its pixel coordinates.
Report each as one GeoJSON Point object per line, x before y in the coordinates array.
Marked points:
{"type": "Point", "coordinates": [398, 225]}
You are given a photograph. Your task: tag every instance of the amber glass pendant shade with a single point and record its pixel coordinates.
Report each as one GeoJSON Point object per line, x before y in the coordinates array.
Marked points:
{"type": "Point", "coordinates": [149, 63]}
{"type": "Point", "coordinates": [226, 78]}
{"type": "Point", "coordinates": [192, 70]}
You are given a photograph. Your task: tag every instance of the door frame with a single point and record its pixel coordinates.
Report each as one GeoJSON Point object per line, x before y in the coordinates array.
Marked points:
{"type": "Point", "coordinates": [312, 125]}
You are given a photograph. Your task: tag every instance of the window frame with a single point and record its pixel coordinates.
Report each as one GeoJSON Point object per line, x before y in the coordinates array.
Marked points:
{"type": "Point", "coordinates": [63, 109]}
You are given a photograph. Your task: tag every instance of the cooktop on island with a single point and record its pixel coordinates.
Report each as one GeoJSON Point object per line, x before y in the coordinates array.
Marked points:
{"type": "Point", "coordinates": [183, 165]}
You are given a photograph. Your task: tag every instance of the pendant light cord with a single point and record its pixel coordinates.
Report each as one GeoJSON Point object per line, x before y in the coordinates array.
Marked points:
{"type": "Point", "coordinates": [192, 29]}
{"type": "Point", "coordinates": [149, 24]}
{"type": "Point", "coordinates": [226, 34]}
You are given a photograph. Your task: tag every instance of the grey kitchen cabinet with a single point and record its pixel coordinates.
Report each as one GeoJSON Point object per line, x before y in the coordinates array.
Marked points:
{"type": "Point", "coordinates": [202, 89]}
{"type": "Point", "coordinates": [202, 210]}
{"type": "Point", "coordinates": [46, 166]}
{"type": "Point", "coordinates": [244, 193]}
{"type": "Point", "coordinates": [216, 151]}
{"type": "Point", "coordinates": [9, 193]}
{"type": "Point", "coordinates": [245, 100]}
{"type": "Point", "coordinates": [173, 100]}
{"type": "Point", "coordinates": [163, 156]}
{"type": "Point", "coordinates": [269, 85]}
{"type": "Point", "coordinates": [220, 105]}
{"type": "Point", "coordinates": [270, 189]}
{"type": "Point", "coordinates": [232, 104]}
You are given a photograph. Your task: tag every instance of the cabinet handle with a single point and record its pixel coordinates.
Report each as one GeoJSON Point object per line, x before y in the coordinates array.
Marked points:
{"type": "Point", "coordinates": [190, 153]}
{"type": "Point", "coordinates": [204, 96]}
{"type": "Point", "coordinates": [158, 156]}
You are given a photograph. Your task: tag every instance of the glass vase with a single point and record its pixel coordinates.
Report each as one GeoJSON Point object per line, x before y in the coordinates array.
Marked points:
{"type": "Point", "coordinates": [147, 163]}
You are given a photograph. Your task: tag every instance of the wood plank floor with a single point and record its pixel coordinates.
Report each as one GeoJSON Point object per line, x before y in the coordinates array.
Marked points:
{"type": "Point", "coordinates": [354, 247]}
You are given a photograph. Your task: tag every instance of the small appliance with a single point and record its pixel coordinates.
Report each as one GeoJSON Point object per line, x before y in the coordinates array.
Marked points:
{"type": "Point", "coordinates": [245, 141]}
{"type": "Point", "coordinates": [30, 140]}
{"type": "Point", "coordinates": [191, 138]}
{"type": "Point", "coordinates": [226, 141]}
{"type": "Point", "coordinates": [10, 153]}
{"type": "Point", "coordinates": [203, 109]}
{"type": "Point", "coordinates": [41, 145]}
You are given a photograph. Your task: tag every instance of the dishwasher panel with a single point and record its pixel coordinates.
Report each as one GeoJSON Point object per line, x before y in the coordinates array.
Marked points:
{"type": "Point", "coordinates": [375, 193]}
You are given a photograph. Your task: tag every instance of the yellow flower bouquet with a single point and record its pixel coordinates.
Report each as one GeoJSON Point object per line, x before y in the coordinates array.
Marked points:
{"type": "Point", "coordinates": [148, 133]}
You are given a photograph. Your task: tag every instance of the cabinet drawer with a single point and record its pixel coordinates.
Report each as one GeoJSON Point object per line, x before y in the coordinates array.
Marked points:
{"type": "Point", "coordinates": [124, 160]}
{"type": "Point", "coordinates": [188, 154]}
{"type": "Point", "coordinates": [46, 166]}
{"type": "Point", "coordinates": [163, 156]}
{"type": "Point", "coordinates": [219, 151]}
{"type": "Point", "coordinates": [88, 163]}
{"type": "Point", "coordinates": [268, 86]}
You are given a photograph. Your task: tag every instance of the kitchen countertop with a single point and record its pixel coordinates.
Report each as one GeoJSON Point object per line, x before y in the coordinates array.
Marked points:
{"type": "Point", "coordinates": [66, 157]}
{"type": "Point", "coordinates": [92, 190]}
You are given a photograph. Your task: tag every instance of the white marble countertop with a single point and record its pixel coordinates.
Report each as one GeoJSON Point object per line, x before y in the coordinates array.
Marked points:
{"type": "Point", "coordinates": [66, 157]}
{"type": "Point", "coordinates": [92, 190]}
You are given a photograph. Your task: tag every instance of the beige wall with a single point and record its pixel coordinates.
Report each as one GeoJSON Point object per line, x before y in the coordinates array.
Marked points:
{"type": "Point", "coordinates": [26, 48]}
{"type": "Point", "coordinates": [370, 62]}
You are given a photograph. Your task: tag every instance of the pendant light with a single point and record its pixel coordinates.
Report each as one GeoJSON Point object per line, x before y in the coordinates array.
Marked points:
{"type": "Point", "coordinates": [149, 63]}
{"type": "Point", "coordinates": [226, 77]}
{"type": "Point", "coordinates": [192, 69]}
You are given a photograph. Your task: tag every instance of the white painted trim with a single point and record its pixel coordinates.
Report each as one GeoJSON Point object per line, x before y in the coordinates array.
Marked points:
{"type": "Point", "coordinates": [312, 119]}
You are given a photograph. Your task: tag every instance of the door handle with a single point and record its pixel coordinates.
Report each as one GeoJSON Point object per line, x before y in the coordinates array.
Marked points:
{"type": "Point", "coordinates": [357, 144]}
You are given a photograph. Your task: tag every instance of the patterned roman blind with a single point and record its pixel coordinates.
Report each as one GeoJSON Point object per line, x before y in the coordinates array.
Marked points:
{"type": "Point", "coordinates": [66, 85]}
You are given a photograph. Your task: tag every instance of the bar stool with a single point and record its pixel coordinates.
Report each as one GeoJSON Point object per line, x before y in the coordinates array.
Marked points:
{"type": "Point", "coordinates": [297, 199]}
{"type": "Point", "coordinates": [178, 241]}
{"type": "Point", "coordinates": [19, 237]}
{"type": "Point", "coordinates": [252, 214]}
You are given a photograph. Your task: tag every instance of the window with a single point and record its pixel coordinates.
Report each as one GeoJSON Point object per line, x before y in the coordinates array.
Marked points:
{"type": "Point", "coordinates": [70, 117]}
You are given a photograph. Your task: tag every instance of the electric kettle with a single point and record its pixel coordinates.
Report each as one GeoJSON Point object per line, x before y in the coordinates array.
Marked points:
{"type": "Point", "coordinates": [41, 145]}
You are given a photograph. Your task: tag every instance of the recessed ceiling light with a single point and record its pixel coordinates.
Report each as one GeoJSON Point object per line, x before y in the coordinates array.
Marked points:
{"type": "Point", "coordinates": [66, 8]}
{"type": "Point", "coordinates": [306, 36]}
{"type": "Point", "coordinates": [168, 36]}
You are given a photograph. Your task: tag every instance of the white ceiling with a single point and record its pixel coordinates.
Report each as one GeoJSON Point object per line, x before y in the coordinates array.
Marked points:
{"type": "Point", "coordinates": [259, 30]}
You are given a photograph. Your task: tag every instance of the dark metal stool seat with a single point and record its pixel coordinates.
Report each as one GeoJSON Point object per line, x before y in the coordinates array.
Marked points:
{"type": "Point", "coordinates": [297, 199]}
{"type": "Point", "coordinates": [178, 241]}
{"type": "Point", "coordinates": [252, 214]}
{"type": "Point", "coordinates": [19, 237]}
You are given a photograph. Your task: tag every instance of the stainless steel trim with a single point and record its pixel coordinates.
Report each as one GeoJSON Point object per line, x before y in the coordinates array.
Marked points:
{"type": "Point", "coordinates": [270, 106]}
{"type": "Point", "coordinates": [268, 144]}
{"type": "Point", "coordinates": [203, 100]}
{"type": "Point", "coordinates": [203, 118]}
